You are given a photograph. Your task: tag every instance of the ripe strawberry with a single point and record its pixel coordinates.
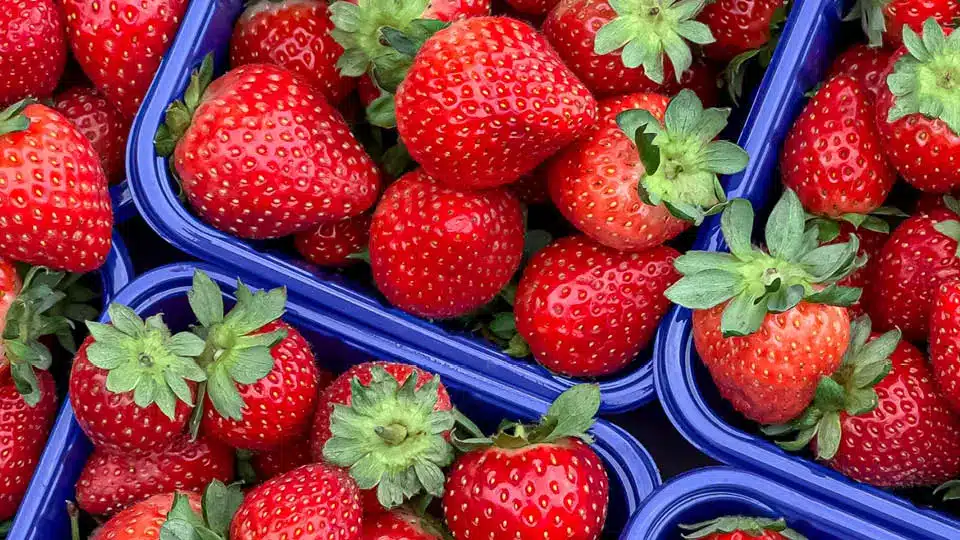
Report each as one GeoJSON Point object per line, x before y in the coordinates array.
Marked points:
{"type": "Point", "coordinates": [399, 524]}
{"type": "Point", "coordinates": [866, 64]}
{"type": "Point", "coordinates": [703, 78]}
{"type": "Point", "coordinates": [478, 134]}
{"type": "Point", "coordinates": [33, 49]}
{"type": "Point", "coordinates": [619, 52]}
{"type": "Point", "coordinates": [565, 485]}
{"type": "Point", "coordinates": [944, 341]}
{"type": "Point", "coordinates": [439, 252]}
{"type": "Point", "coordinates": [741, 528]}
{"type": "Point", "coordinates": [532, 8]}
{"type": "Point", "coordinates": [832, 156]}
{"type": "Point", "coordinates": [883, 21]}
{"type": "Point", "coordinates": [267, 465]}
{"type": "Point", "coordinates": [317, 498]}
{"type": "Point", "coordinates": [144, 376]}
{"type": "Point", "coordinates": [10, 286]}
{"type": "Point", "coordinates": [55, 208]}
{"type": "Point", "coordinates": [100, 122]}
{"type": "Point", "coordinates": [119, 44]}
{"type": "Point", "coordinates": [630, 200]}
{"type": "Point", "coordinates": [23, 436]}
{"type": "Point", "coordinates": [144, 519]}
{"type": "Point", "coordinates": [921, 145]}
{"type": "Point", "coordinates": [293, 34]}
{"type": "Point", "coordinates": [765, 324]}
{"type": "Point", "coordinates": [296, 167]}
{"type": "Point", "coordinates": [587, 310]}
{"type": "Point", "coordinates": [738, 26]}
{"type": "Point", "coordinates": [332, 243]}
{"type": "Point", "coordinates": [112, 481]}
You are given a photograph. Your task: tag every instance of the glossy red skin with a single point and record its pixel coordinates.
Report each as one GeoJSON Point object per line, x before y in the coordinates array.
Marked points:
{"type": "Point", "coordinates": [866, 64]}
{"type": "Point", "coordinates": [367, 90]}
{"type": "Point", "coordinates": [553, 491]}
{"type": "Point", "coordinates": [911, 438]}
{"type": "Point", "coordinates": [280, 461]}
{"type": "Point", "coordinates": [294, 34]}
{"type": "Point", "coordinates": [279, 407]}
{"type": "Point", "coordinates": [770, 376]}
{"type": "Point", "coordinates": [119, 44]}
{"type": "Point", "coordinates": [572, 30]}
{"type": "Point", "coordinates": [318, 498]}
{"type": "Point", "coordinates": [55, 205]}
{"type": "Point", "coordinates": [594, 181]}
{"type": "Point", "coordinates": [10, 285]}
{"type": "Point", "coordinates": [112, 481]}
{"type": "Point", "coordinates": [588, 310]}
{"type": "Point", "coordinates": [871, 244]}
{"type": "Point", "coordinates": [100, 122]}
{"type": "Point", "coordinates": [914, 13]}
{"type": "Point", "coordinates": [832, 156]}
{"type": "Point", "coordinates": [397, 524]}
{"type": "Point", "coordinates": [535, 8]}
{"type": "Point", "coordinates": [912, 265]}
{"type": "Point", "coordinates": [944, 342]}
{"type": "Point", "coordinates": [738, 26]}
{"type": "Point", "coordinates": [144, 519]}
{"type": "Point", "coordinates": [439, 252]}
{"type": "Point", "coordinates": [293, 168]}
{"type": "Point", "coordinates": [740, 535]}
{"type": "Point", "coordinates": [23, 436]}
{"type": "Point", "coordinates": [454, 10]}
{"type": "Point", "coordinates": [332, 243]}
{"type": "Point", "coordinates": [480, 113]}
{"type": "Point", "coordinates": [702, 77]}
{"type": "Point", "coordinates": [113, 421]}
{"type": "Point", "coordinates": [33, 49]}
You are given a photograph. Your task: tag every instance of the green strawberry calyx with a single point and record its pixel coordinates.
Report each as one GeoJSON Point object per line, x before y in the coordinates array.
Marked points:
{"type": "Point", "coordinates": [951, 227]}
{"type": "Point", "coordinates": [949, 489]}
{"type": "Point", "coordinates": [753, 281]}
{"type": "Point", "coordinates": [926, 80]}
{"type": "Point", "coordinates": [12, 118]}
{"type": "Point", "coordinates": [681, 159]}
{"type": "Point", "coordinates": [753, 526]}
{"type": "Point", "coordinates": [876, 221]}
{"type": "Point", "coordinates": [736, 71]}
{"type": "Point", "coordinates": [144, 357]}
{"type": "Point", "coordinates": [180, 113]}
{"type": "Point", "coordinates": [850, 389]}
{"type": "Point", "coordinates": [646, 30]}
{"type": "Point", "coordinates": [219, 504]}
{"type": "Point", "coordinates": [391, 437]}
{"type": "Point", "coordinates": [872, 19]}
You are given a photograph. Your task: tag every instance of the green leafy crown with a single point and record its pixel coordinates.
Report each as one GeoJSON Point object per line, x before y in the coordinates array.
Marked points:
{"type": "Point", "coordinates": [220, 502]}
{"type": "Point", "coordinates": [180, 113]}
{"type": "Point", "coordinates": [872, 19]}
{"type": "Point", "coordinates": [12, 118]}
{"type": "Point", "coordinates": [753, 526]}
{"type": "Point", "coordinates": [794, 268]}
{"type": "Point", "coordinates": [876, 221]}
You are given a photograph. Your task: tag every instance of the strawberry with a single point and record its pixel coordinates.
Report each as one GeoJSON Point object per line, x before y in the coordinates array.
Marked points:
{"type": "Point", "coordinates": [10, 286]}
{"type": "Point", "coordinates": [857, 422]}
{"type": "Point", "coordinates": [618, 48]}
{"type": "Point", "coordinates": [586, 310]}
{"type": "Point", "coordinates": [531, 8]}
{"type": "Point", "coordinates": [142, 374]}
{"type": "Point", "coordinates": [317, 498]}
{"type": "Point", "coordinates": [100, 122]}
{"type": "Point", "coordinates": [144, 519]}
{"type": "Point", "coordinates": [741, 528]}
{"type": "Point", "coordinates": [294, 34]}
{"type": "Point", "coordinates": [630, 199]}
{"type": "Point", "coordinates": [739, 26]}
{"type": "Point", "coordinates": [333, 242]}
{"type": "Point", "coordinates": [767, 323]}
{"type": "Point", "coordinates": [55, 208]}
{"type": "Point", "coordinates": [832, 156]}
{"type": "Point", "coordinates": [112, 481]}
{"type": "Point", "coordinates": [410, 413]}
{"type": "Point", "coordinates": [703, 78]}
{"type": "Point", "coordinates": [33, 49]}
{"type": "Point", "coordinates": [267, 465]}
{"type": "Point", "coordinates": [399, 524]}
{"type": "Point", "coordinates": [885, 21]}
{"type": "Point", "coordinates": [297, 153]}
{"type": "Point", "coordinates": [921, 144]}
{"type": "Point", "coordinates": [119, 44]}
{"type": "Point", "coordinates": [23, 436]}
{"type": "Point", "coordinates": [565, 486]}
{"type": "Point", "coordinates": [944, 343]}
{"type": "Point", "coordinates": [866, 64]}
{"type": "Point", "coordinates": [439, 252]}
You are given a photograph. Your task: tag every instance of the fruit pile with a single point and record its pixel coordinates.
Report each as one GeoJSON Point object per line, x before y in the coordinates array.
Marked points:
{"type": "Point", "coordinates": [239, 409]}
{"type": "Point", "coordinates": [425, 138]}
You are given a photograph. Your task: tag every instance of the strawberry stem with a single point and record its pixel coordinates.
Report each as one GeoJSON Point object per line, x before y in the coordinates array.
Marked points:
{"type": "Point", "coordinates": [180, 113]}
{"type": "Point", "coordinates": [74, 514]}
{"type": "Point", "coordinates": [392, 434]}
{"type": "Point", "coordinates": [12, 118]}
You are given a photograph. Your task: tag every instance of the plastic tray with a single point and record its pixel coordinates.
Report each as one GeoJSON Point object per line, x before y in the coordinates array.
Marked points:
{"type": "Point", "coordinates": [683, 384]}
{"type": "Point", "coordinates": [207, 28]}
{"type": "Point", "coordinates": [633, 475]}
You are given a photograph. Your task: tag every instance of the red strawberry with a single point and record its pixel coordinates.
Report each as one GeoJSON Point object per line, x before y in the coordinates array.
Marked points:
{"type": "Point", "coordinates": [587, 310]}
{"type": "Point", "coordinates": [332, 243]}
{"type": "Point", "coordinates": [144, 519]}
{"type": "Point", "coordinates": [944, 345]}
{"type": "Point", "coordinates": [832, 156]}
{"type": "Point", "coordinates": [273, 463]}
{"type": "Point", "coordinates": [596, 182]}
{"type": "Point", "coordinates": [766, 327]}
{"type": "Point", "coordinates": [10, 285]}
{"type": "Point", "coordinates": [23, 436]}
{"type": "Point", "coordinates": [531, 482]}
{"type": "Point", "coordinates": [703, 78]}
{"type": "Point", "coordinates": [477, 134]}
{"type": "Point", "coordinates": [866, 64]}
{"type": "Point", "coordinates": [119, 44]}
{"type": "Point", "coordinates": [294, 34]}
{"type": "Point", "coordinates": [33, 49]}
{"type": "Point", "coordinates": [293, 162]}
{"type": "Point", "coordinates": [100, 122]}
{"type": "Point", "coordinates": [439, 252]}
{"type": "Point", "coordinates": [741, 528]}
{"type": "Point", "coordinates": [317, 498]}
{"type": "Point", "coordinates": [368, 90]}
{"type": "Point", "coordinates": [112, 481]}
{"type": "Point", "coordinates": [55, 208]}
{"type": "Point", "coordinates": [883, 21]}
{"type": "Point", "coordinates": [919, 144]}
{"type": "Point", "coordinates": [532, 8]}
{"type": "Point", "coordinates": [739, 26]}
{"type": "Point", "coordinates": [399, 524]}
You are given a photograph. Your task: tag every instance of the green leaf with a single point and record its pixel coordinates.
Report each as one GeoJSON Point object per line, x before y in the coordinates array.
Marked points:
{"type": "Point", "coordinates": [205, 299]}
{"type": "Point", "coordinates": [785, 227]}
{"type": "Point", "coordinates": [124, 378]}
{"type": "Point", "coordinates": [835, 295]}
{"type": "Point", "coordinates": [185, 344]}
{"type": "Point", "coordinates": [785, 299]}
{"type": "Point", "coordinates": [126, 320]}
{"type": "Point", "coordinates": [678, 51]}
{"type": "Point", "coordinates": [696, 32]}
{"type": "Point", "coordinates": [503, 325]}
{"type": "Point", "coordinates": [743, 315]}
{"type": "Point", "coordinates": [706, 289]}
{"type": "Point", "coordinates": [574, 412]}
{"type": "Point", "coordinates": [612, 36]}
{"type": "Point", "coordinates": [220, 503]}
{"type": "Point", "coordinates": [247, 366]}
{"type": "Point", "coordinates": [382, 112]}
{"type": "Point", "coordinates": [860, 401]}
{"type": "Point", "coordinates": [949, 228]}
{"type": "Point", "coordinates": [828, 436]}
{"type": "Point", "coordinates": [725, 157]}
{"type": "Point", "coordinates": [223, 394]}
{"type": "Point", "coordinates": [693, 262]}
{"type": "Point", "coordinates": [736, 222]}
{"type": "Point", "coordinates": [262, 309]}
{"type": "Point", "coordinates": [683, 113]}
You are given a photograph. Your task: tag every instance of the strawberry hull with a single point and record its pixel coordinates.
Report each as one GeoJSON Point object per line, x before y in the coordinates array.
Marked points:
{"type": "Point", "coordinates": [632, 472]}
